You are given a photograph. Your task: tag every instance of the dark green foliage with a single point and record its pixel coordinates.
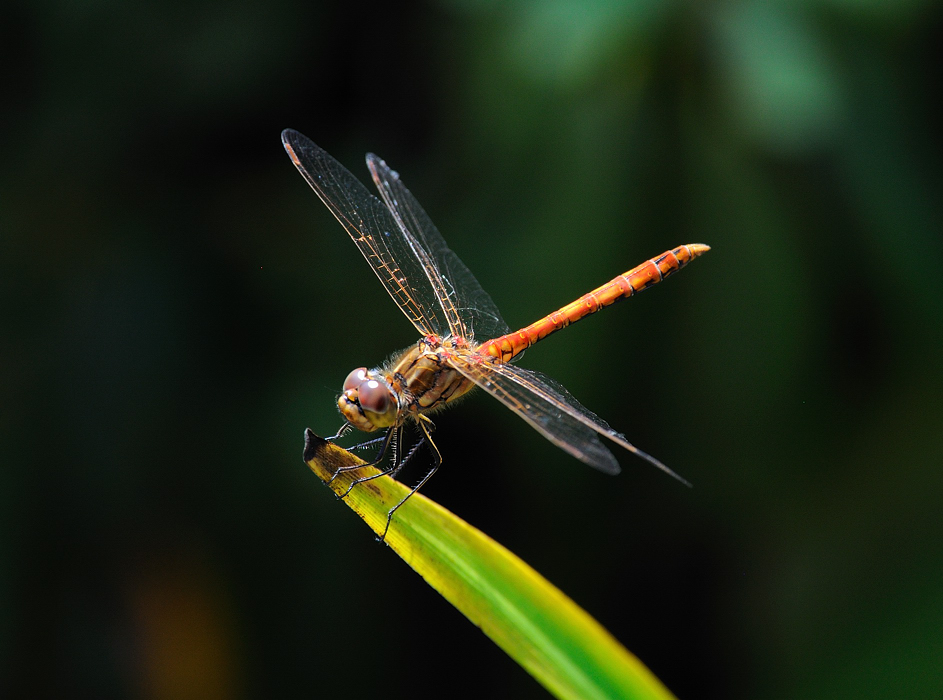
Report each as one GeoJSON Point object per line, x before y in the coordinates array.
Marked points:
{"type": "Point", "coordinates": [176, 306]}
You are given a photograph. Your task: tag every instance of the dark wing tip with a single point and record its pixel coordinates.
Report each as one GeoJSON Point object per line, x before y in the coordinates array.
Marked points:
{"type": "Point", "coordinates": [600, 459]}
{"type": "Point", "coordinates": [609, 466]}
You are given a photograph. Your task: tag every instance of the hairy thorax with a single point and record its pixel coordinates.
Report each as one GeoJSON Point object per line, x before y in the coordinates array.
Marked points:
{"type": "Point", "coordinates": [418, 380]}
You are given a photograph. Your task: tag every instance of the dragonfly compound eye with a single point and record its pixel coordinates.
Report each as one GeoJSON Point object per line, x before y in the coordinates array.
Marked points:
{"type": "Point", "coordinates": [355, 378]}
{"type": "Point", "coordinates": [374, 396]}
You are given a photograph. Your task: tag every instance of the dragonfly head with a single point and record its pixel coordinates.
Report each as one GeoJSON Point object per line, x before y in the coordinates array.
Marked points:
{"type": "Point", "coordinates": [367, 403]}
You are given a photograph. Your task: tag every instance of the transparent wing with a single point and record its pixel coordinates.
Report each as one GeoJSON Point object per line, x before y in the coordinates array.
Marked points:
{"type": "Point", "coordinates": [390, 250]}
{"type": "Point", "coordinates": [469, 310]}
{"type": "Point", "coordinates": [552, 411]}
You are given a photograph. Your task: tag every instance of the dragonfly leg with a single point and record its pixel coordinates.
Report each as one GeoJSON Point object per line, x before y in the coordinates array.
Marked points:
{"type": "Point", "coordinates": [427, 433]}
{"type": "Point", "coordinates": [342, 431]}
{"type": "Point", "coordinates": [408, 457]}
{"type": "Point", "coordinates": [366, 444]}
{"type": "Point", "coordinates": [387, 441]}
{"type": "Point", "coordinates": [391, 446]}
{"type": "Point", "coordinates": [391, 472]}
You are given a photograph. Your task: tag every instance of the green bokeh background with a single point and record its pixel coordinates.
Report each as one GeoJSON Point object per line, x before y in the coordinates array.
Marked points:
{"type": "Point", "coordinates": [176, 306]}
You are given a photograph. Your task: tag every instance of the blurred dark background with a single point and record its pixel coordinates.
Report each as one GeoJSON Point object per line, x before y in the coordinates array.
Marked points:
{"type": "Point", "coordinates": [176, 306]}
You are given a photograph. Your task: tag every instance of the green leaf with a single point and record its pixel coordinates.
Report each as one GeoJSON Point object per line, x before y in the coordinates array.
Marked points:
{"type": "Point", "coordinates": [548, 634]}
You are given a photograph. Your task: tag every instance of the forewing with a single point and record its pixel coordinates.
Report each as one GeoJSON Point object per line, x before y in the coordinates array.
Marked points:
{"type": "Point", "coordinates": [390, 251]}
{"type": "Point", "coordinates": [553, 412]}
{"type": "Point", "coordinates": [470, 312]}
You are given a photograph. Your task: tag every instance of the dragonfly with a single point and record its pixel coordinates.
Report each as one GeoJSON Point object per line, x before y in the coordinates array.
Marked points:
{"type": "Point", "coordinates": [464, 341]}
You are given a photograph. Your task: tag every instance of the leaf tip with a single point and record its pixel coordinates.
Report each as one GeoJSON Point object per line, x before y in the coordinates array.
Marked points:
{"type": "Point", "coordinates": [313, 443]}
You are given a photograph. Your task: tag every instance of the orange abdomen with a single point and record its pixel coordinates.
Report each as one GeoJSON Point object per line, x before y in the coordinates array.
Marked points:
{"type": "Point", "coordinates": [625, 285]}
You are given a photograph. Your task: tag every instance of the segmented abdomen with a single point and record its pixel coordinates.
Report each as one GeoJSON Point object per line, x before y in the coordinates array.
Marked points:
{"type": "Point", "coordinates": [625, 285]}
